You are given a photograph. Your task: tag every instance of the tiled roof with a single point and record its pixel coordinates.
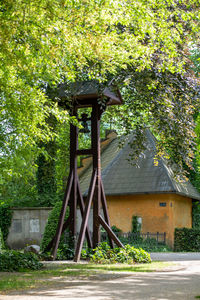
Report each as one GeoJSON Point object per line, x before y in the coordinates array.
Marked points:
{"type": "Point", "coordinates": [122, 178]}
{"type": "Point", "coordinates": [89, 89]}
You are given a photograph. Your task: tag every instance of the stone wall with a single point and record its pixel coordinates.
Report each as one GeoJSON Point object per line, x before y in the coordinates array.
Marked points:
{"type": "Point", "coordinates": [27, 226]}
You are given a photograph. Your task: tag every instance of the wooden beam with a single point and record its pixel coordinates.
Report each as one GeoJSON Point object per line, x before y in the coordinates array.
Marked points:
{"type": "Point", "coordinates": [85, 217]}
{"type": "Point", "coordinates": [82, 209]}
{"type": "Point", "coordinates": [95, 136]}
{"type": "Point", "coordinates": [84, 152]}
{"type": "Point", "coordinates": [62, 216]}
{"type": "Point", "coordinates": [73, 168]}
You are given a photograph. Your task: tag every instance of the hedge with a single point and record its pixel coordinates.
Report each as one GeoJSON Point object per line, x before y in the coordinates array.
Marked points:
{"type": "Point", "coordinates": [65, 249]}
{"type": "Point", "coordinates": [187, 239]}
{"type": "Point", "coordinates": [12, 260]}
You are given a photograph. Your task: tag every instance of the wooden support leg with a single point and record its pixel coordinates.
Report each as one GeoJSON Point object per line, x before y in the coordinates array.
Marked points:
{"type": "Point", "coordinates": [105, 211]}
{"type": "Point", "coordinates": [95, 136]}
{"type": "Point", "coordinates": [85, 218]}
{"type": "Point", "coordinates": [52, 242]}
{"type": "Point", "coordinates": [82, 209]}
{"type": "Point", "coordinates": [96, 213]}
{"type": "Point", "coordinates": [110, 232]}
{"type": "Point", "coordinates": [62, 216]}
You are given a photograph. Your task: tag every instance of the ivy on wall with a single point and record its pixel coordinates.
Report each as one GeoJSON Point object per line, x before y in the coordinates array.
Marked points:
{"type": "Point", "coordinates": [5, 220]}
{"type": "Point", "coordinates": [51, 226]}
{"type": "Point", "coordinates": [2, 246]}
{"type": "Point", "coordinates": [136, 226]}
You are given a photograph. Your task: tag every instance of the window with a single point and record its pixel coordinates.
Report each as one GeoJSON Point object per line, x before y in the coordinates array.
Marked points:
{"type": "Point", "coordinates": [163, 204]}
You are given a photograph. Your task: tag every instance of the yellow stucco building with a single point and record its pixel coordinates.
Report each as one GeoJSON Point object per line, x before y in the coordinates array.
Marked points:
{"type": "Point", "coordinates": [147, 191]}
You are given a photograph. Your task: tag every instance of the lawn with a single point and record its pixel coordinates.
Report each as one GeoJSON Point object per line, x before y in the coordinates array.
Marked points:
{"type": "Point", "coordinates": [53, 274]}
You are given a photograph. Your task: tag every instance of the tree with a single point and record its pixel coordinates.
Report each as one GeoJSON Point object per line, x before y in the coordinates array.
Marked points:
{"type": "Point", "coordinates": [48, 42]}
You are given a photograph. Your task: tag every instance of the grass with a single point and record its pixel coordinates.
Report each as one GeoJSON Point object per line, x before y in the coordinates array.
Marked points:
{"type": "Point", "coordinates": [154, 266]}
{"type": "Point", "coordinates": [52, 274]}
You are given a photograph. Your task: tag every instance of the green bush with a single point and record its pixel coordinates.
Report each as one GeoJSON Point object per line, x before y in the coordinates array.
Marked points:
{"type": "Point", "coordinates": [12, 260]}
{"type": "Point", "coordinates": [187, 239]}
{"type": "Point", "coordinates": [65, 249]}
{"type": "Point", "coordinates": [2, 246]}
{"type": "Point", "coordinates": [5, 220]}
{"type": "Point", "coordinates": [116, 229]}
{"type": "Point", "coordinates": [104, 254]}
{"type": "Point", "coordinates": [51, 226]}
{"type": "Point", "coordinates": [65, 252]}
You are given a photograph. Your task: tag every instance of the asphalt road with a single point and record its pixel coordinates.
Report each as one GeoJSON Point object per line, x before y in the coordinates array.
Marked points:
{"type": "Point", "coordinates": [182, 282]}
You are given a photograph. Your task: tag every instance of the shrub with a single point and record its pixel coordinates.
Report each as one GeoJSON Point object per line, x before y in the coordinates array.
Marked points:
{"type": "Point", "coordinates": [12, 260]}
{"type": "Point", "coordinates": [65, 252]}
{"type": "Point", "coordinates": [187, 239]}
{"type": "Point", "coordinates": [104, 254]}
{"type": "Point", "coordinates": [116, 229]}
{"type": "Point", "coordinates": [65, 249]}
{"type": "Point", "coordinates": [51, 226]}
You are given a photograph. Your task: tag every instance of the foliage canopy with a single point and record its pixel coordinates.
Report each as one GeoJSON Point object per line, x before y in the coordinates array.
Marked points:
{"type": "Point", "coordinates": [141, 44]}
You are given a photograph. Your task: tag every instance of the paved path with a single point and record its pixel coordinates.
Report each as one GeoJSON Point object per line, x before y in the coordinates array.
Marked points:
{"type": "Point", "coordinates": [183, 284]}
{"type": "Point", "coordinates": [173, 256]}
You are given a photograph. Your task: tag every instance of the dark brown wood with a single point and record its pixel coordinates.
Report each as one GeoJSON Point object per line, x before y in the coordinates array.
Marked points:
{"type": "Point", "coordinates": [73, 168]}
{"type": "Point", "coordinates": [84, 152]}
{"type": "Point", "coordinates": [105, 211]}
{"type": "Point", "coordinates": [110, 232]}
{"type": "Point", "coordinates": [85, 217]}
{"type": "Point", "coordinates": [82, 209]}
{"type": "Point", "coordinates": [62, 216]}
{"type": "Point", "coordinates": [95, 124]}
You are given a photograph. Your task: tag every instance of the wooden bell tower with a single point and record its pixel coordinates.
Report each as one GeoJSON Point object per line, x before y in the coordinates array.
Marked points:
{"type": "Point", "coordinates": [85, 94]}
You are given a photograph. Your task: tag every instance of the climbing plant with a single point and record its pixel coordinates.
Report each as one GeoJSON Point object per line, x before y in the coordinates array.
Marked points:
{"type": "Point", "coordinates": [5, 220]}
{"type": "Point", "coordinates": [2, 246]}
{"type": "Point", "coordinates": [51, 226]}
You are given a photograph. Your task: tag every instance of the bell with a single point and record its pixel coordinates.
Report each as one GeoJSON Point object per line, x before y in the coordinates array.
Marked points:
{"type": "Point", "coordinates": [84, 123]}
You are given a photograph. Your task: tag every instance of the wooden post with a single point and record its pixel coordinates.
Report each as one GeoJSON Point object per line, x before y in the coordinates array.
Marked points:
{"type": "Point", "coordinates": [95, 136]}
{"type": "Point", "coordinates": [56, 239]}
{"type": "Point", "coordinates": [73, 168]}
{"type": "Point", "coordinates": [85, 217]}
